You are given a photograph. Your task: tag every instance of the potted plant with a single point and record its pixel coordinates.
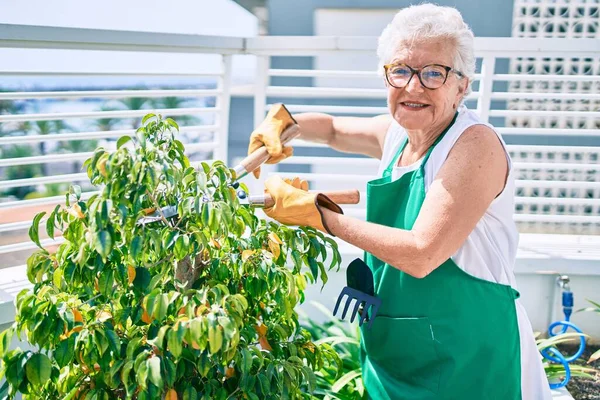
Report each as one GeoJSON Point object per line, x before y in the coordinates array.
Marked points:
{"type": "Point", "coordinates": [201, 306]}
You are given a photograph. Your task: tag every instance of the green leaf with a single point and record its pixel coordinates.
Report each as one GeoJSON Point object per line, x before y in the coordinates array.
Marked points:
{"type": "Point", "coordinates": [65, 351]}
{"type": "Point", "coordinates": [5, 340]}
{"type": "Point", "coordinates": [246, 361]}
{"type": "Point", "coordinates": [314, 267]}
{"type": "Point", "coordinates": [34, 229]}
{"type": "Point", "coordinates": [103, 244]}
{"type": "Point", "coordinates": [38, 369]}
{"type": "Point", "coordinates": [154, 372]}
{"type": "Point", "coordinates": [201, 179]}
{"type": "Point", "coordinates": [142, 279]}
{"type": "Point", "coordinates": [50, 225]}
{"type": "Point", "coordinates": [344, 380]}
{"type": "Point", "coordinates": [171, 122]}
{"type": "Point", "coordinates": [190, 393]}
{"type": "Point", "coordinates": [141, 375]}
{"type": "Point", "coordinates": [76, 190]}
{"type": "Point", "coordinates": [105, 282]}
{"type": "Point", "coordinates": [147, 117]}
{"type": "Point", "coordinates": [175, 345]}
{"type": "Point", "coordinates": [122, 140]}
{"type": "Point", "coordinates": [132, 346]}
{"type": "Point", "coordinates": [182, 246]}
{"type": "Point", "coordinates": [170, 371]}
{"type": "Point", "coordinates": [310, 377]}
{"type": "Point", "coordinates": [15, 371]}
{"type": "Point", "coordinates": [136, 247]}
{"type": "Point", "coordinates": [215, 335]}
{"type": "Point", "coordinates": [114, 342]}
{"type": "Point", "coordinates": [160, 307]}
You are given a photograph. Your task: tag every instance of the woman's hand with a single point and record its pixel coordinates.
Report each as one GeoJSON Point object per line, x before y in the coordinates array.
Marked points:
{"type": "Point", "coordinates": [294, 205]}
{"type": "Point", "coordinates": [268, 134]}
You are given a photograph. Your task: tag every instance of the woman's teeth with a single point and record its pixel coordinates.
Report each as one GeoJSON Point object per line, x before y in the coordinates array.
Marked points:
{"type": "Point", "coordinates": [415, 105]}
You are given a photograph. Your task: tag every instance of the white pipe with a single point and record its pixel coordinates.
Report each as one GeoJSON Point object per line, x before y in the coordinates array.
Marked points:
{"type": "Point", "coordinates": [10, 140]}
{"type": "Point", "coordinates": [540, 113]}
{"type": "Point", "coordinates": [11, 248]}
{"type": "Point", "coordinates": [544, 96]}
{"type": "Point", "coordinates": [109, 94]}
{"type": "Point", "coordinates": [109, 73]}
{"type": "Point", "coordinates": [43, 180]}
{"type": "Point", "coordinates": [106, 114]}
{"type": "Point", "coordinates": [548, 78]}
{"type": "Point", "coordinates": [336, 109]}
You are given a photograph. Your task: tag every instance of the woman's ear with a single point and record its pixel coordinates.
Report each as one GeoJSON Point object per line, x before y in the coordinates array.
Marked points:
{"type": "Point", "coordinates": [463, 84]}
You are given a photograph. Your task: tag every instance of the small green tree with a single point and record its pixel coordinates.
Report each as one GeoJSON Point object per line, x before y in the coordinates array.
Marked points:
{"type": "Point", "coordinates": [200, 306]}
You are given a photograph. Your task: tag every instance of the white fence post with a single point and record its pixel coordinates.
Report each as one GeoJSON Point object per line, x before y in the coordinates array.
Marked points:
{"type": "Point", "coordinates": [484, 101]}
{"type": "Point", "coordinates": [223, 103]}
{"type": "Point", "coordinates": [260, 88]}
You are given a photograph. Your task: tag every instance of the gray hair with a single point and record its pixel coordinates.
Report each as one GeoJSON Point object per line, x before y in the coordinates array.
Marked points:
{"type": "Point", "coordinates": [429, 22]}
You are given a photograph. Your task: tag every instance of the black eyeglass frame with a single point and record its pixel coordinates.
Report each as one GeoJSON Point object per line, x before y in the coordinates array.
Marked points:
{"type": "Point", "coordinates": [417, 71]}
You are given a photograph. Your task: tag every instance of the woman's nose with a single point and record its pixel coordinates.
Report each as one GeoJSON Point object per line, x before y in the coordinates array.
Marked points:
{"type": "Point", "coordinates": [414, 86]}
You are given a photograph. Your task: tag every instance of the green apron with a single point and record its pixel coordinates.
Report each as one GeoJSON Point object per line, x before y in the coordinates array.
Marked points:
{"type": "Point", "coordinates": [449, 335]}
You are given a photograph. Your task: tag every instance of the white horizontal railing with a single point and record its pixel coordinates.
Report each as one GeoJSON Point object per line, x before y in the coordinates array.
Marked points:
{"type": "Point", "coordinates": [109, 94]}
{"type": "Point", "coordinates": [106, 114]}
{"type": "Point", "coordinates": [56, 137]}
{"type": "Point", "coordinates": [543, 174]}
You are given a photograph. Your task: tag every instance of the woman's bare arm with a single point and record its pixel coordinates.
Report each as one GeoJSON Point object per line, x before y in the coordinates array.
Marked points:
{"type": "Point", "coordinates": [472, 176]}
{"type": "Point", "coordinates": [347, 134]}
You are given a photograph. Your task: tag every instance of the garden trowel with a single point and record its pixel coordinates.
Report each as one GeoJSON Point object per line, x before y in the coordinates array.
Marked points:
{"type": "Point", "coordinates": [361, 288]}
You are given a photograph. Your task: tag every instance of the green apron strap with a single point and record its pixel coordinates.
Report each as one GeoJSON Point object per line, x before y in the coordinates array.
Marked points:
{"type": "Point", "coordinates": [388, 170]}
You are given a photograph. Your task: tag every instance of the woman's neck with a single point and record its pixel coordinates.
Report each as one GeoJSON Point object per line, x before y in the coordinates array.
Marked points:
{"type": "Point", "coordinates": [421, 140]}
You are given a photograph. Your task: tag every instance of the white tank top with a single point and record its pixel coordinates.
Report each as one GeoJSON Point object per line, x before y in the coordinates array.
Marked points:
{"type": "Point", "coordinates": [491, 248]}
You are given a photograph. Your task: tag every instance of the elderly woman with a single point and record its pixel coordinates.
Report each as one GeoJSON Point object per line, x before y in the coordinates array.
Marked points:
{"type": "Point", "coordinates": [439, 236]}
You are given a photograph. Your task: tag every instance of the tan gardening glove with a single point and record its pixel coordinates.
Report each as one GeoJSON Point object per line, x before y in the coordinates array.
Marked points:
{"type": "Point", "coordinates": [268, 134]}
{"type": "Point", "coordinates": [294, 205]}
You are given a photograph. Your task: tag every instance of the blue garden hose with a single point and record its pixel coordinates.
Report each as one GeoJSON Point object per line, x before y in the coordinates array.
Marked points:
{"type": "Point", "coordinates": [552, 353]}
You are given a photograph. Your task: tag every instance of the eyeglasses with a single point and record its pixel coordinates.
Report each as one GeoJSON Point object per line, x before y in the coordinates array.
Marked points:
{"type": "Point", "coordinates": [431, 76]}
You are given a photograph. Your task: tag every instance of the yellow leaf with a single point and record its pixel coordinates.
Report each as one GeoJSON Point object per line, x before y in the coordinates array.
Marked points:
{"type": "Point", "coordinates": [149, 210]}
{"type": "Point", "coordinates": [77, 315]}
{"type": "Point", "coordinates": [261, 329]}
{"type": "Point", "coordinates": [594, 357]}
{"type": "Point", "coordinates": [273, 237]}
{"type": "Point", "coordinates": [75, 211]}
{"type": "Point", "coordinates": [171, 395]}
{"type": "Point", "coordinates": [246, 254]}
{"type": "Point", "coordinates": [102, 166]}
{"type": "Point", "coordinates": [130, 274]}
{"type": "Point", "coordinates": [147, 319]}
{"type": "Point", "coordinates": [274, 247]}
{"type": "Point", "coordinates": [214, 243]}
{"type": "Point", "coordinates": [104, 316]}
{"type": "Point", "coordinates": [264, 343]}
{"type": "Point", "coordinates": [229, 372]}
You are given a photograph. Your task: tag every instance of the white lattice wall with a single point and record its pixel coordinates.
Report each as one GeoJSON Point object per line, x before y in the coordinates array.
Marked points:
{"type": "Point", "coordinates": [557, 19]}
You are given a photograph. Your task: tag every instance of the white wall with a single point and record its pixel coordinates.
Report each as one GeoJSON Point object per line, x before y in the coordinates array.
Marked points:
{"type": "Point", "coordinates": [350, 22]}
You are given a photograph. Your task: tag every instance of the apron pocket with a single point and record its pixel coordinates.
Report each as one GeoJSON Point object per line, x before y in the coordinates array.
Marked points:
{"type": "Point", "coordinates": [404, 350]}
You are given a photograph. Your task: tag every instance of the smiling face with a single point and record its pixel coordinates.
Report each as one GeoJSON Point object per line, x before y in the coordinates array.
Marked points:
{"type": "Point", "coordinates": [416, 107]}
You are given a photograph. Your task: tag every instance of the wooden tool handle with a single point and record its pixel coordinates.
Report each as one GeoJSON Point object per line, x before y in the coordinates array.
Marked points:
{"type": "Point", "coordinates": [261, 155]}
{"type": "Point", "coordinates": [338, 196]}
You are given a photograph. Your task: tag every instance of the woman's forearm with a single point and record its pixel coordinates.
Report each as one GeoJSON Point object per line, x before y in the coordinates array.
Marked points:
{"type": "Point", "coordinates": [315, 127]}
{"type": "Point", "coordinates": [397, 247]}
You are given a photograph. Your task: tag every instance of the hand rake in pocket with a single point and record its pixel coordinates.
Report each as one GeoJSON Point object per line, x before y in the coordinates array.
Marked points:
{"type": "Point", "coordinates": [360, 287]}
